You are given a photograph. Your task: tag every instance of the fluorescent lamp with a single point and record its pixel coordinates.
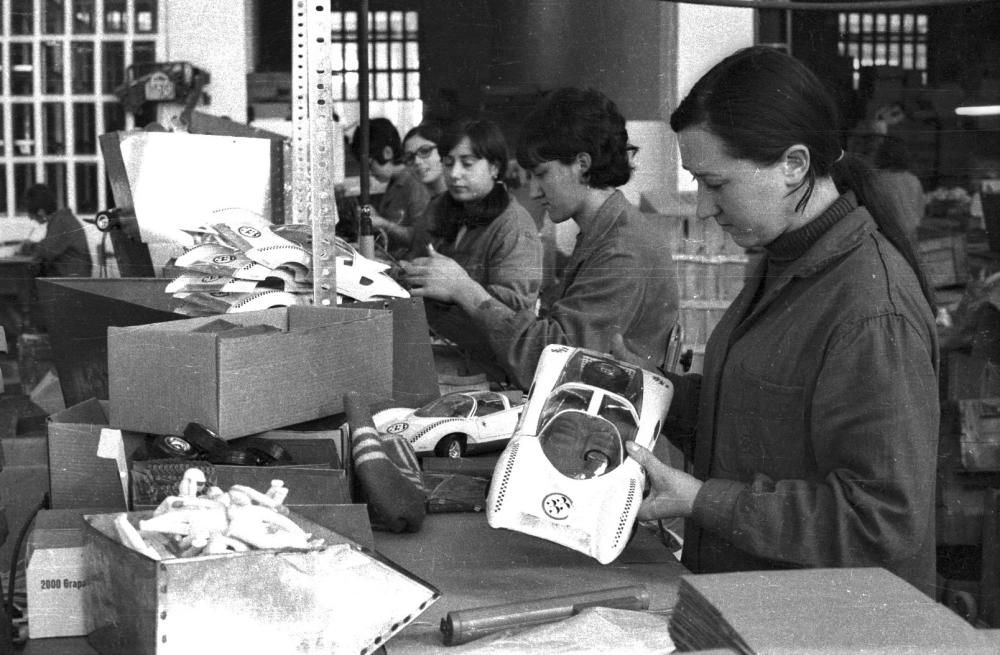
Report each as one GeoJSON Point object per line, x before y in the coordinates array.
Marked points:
{"type": "Point", "coordinates": [978, 110]}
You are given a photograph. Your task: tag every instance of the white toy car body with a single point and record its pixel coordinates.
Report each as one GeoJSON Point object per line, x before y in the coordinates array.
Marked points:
{"type": "Point", "coordinates": [565, 475]}
{"type": "Point", "coordinates": [455, 424]}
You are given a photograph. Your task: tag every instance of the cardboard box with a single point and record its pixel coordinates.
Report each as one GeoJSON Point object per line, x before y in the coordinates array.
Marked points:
{"type": "Point", "coordinates": [56, 576]}
{"type": "Point", "coordinates": [77, 476]}
{"type": "Point", "coordinates": [163, 376]}
{"type": "Point", "coordinates": [339, 599]}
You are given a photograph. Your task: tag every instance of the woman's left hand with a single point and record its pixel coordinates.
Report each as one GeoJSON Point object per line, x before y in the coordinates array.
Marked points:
{"type": "Point", "coordinates": [436, 276]}
{"type": "Point", "coordinates": [672, 491]}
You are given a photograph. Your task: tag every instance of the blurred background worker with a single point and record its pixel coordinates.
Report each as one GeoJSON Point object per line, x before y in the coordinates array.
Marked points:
{"type": "Point", "coordinates": [405, 198]}
{"type": "Point", "coordinates": [63, 251]}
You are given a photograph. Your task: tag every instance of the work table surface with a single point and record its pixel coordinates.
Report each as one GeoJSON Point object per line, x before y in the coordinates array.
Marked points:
{"type": "Point", "coordinates": [473, 565]}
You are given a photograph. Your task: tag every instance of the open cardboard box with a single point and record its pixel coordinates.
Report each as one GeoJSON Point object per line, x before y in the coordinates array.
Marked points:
{"type": "Point", "coordinates": [339, 599]}
{"type": "Point", "coordinates": [163, 376]}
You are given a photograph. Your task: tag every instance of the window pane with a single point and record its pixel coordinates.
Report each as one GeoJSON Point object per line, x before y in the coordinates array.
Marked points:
{"type": "Point", "coordinates": [24, 177]}
{"type": "Point", "coordinates": [381, 56]}
{"type": "Point", "coordinates": [396, 24]}
{"type": "Point", "coordinates": [880, 54]}
{"type": "Point", "coordinates": [382, 86]}
{"type": "Point", "coordinates": [21, 68]}
{"type": "Point", "coordinates": [381, 25]}
{"type": "Point", "coordinates": [143, 52]}
{"type": "Point", "coordinates": [398, 88]}
{"type": "Point", "coordinates": [113, 65]}
{"type": "Point", "coordinates": [894, 23]}
{"type": "Point", "coordinates": [84, 128]}
{"type": "Point", "coordinates": [908, 23]}
{"type": "Point", "coordinates": [351, 56]}
{"type": "Point", "coordinates": [880, 22]}
{"type": "Point", "coordinates": [867, 22]}
{"type": "Point", "coordinates": [83, 16]}
{"type": "Point", "coordinates": [55, 177]}
{"type": "Point", "coordinates": [412, 56]}
{"type": "Point", "coordinates": [114, 117]}
{"type": "Point", "coordinates": [83, 67]}
{"type": "Point", "coordinates": [53, 128]}
{"type": "Point", "coordinates": [413, 86]}
{"type": "Point", "coordinates": [411, 22]}
{"type": "Point", "coordinates": [145, 15]}
{"type": "Point", "coordinates": [3, 188]}
{"type": "Point", "coordinates": [351, 85]}
{"type": "Point", "coordinates": [114, 15]}
{"type": "Point", "coordinates": [87, 187]}
{"type": "Point", "coordinates": [52, 67]}
{"type": "Point", "coordinates": [336, 23]}
{"type": "Point", "coordinates": [351, 25]}
{"type": "Point", "coordinates": [52, 20]}
{"type": "Point", "coordinates": [22, 17]}
{"type": "Point", "coordinates": [397, 61]}
{"type": "Point", "coordinates": [23, 129]}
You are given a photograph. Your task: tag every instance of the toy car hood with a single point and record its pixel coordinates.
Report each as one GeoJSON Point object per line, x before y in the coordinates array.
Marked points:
{"type": "Point", "coordinates": [565, 475]}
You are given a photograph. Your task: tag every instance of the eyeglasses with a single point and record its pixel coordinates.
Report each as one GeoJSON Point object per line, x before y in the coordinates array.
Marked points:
{"type": "Point", "coordinates": [632, 151]}
{"type": "Point", "coordinates": [423, 152]}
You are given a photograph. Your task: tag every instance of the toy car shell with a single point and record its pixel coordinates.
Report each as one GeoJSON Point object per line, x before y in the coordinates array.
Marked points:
{"type": "Point", "coordinates": [455, 424]}
{"type": "Point", "coordinates": [565, 475]}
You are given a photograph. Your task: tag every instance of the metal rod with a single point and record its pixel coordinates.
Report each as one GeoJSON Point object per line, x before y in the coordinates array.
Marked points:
{"type": "Point", "coordinates": [363, 98]}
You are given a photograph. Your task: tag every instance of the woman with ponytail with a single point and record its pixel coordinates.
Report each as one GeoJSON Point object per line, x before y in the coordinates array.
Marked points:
{"type": "Point", "coordinates": [812, 431]}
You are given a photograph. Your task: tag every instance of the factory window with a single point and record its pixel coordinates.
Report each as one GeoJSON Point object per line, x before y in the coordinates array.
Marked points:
{"type": "Point", "coordinates": [393, 66]}
{"type": "Point", "coordinates": [62, 60]}
{"type": "Point", "coordinates": [393, 56]}
{"type": "Point", "coordinates": [877, 39]}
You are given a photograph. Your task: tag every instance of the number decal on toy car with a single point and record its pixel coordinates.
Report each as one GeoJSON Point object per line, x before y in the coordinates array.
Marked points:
{"type": "Point", "coordinates": [557, 506]}
{"type": "Point", "coordinates": [396, 428]}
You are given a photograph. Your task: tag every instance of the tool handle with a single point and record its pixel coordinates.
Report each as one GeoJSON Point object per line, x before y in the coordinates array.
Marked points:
{"type": "Point", "coordinates": [462, 626]}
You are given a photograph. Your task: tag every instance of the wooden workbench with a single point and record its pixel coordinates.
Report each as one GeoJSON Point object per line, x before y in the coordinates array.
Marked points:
{"type": "Point", "coordinates": [473, 565]}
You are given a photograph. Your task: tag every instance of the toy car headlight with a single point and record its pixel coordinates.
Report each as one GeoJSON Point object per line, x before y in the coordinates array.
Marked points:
{"type": "Point", "coordinates": [581, 446]}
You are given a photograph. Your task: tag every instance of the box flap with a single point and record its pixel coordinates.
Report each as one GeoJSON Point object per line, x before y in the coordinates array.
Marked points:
{"type": "Point", "coordinates": [89, 412]}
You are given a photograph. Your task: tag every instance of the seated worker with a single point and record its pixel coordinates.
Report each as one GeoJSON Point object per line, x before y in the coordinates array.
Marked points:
{"type": "Point", "coordinates": [421, 155]}
{"type": "Point", "coordinates": [620, 277]}
{"type": "Point", "coordinates": [484, 233]}
{"type": "Point", "coordinates": [405, 198]}
{"type": "Point", "coordinates": [64, 251]}
{"type": "Point", "coordinates": [813, 428]}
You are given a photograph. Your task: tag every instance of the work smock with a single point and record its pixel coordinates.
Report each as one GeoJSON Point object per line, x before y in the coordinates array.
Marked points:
{"type": "Point", "coordinates": [64, 251]}
{"type": "Point", "coordinates": [817, 421]}
{"type": "Point", "coordinates": [620, 279]}
{"type": "Point", "coordinates": [504, 256]}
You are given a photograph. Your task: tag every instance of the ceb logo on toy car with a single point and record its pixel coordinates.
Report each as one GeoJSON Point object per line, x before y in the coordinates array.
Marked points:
{"type": "Point", "coordinates": [249, 232]}
{"type": "Point", "coordinates": [396, 428]}
{"type": "Point", "coordinates": [223, 259]}
{"type": "Point", "coordinates": [557, 506]}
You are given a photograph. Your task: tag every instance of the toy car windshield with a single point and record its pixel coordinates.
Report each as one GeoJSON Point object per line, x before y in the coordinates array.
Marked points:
{"type": "Point", "coordinates": [450, 406]}
{"type": "Point", "coordinates": [581, 446]}
{"type": "Point", "coordinates": [610, 375]}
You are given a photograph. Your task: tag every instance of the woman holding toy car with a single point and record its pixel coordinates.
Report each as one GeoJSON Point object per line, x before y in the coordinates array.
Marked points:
{"type": "Point", "coordinates": [813, 429]}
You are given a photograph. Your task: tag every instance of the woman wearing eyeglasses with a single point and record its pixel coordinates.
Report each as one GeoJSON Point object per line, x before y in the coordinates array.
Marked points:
{"type": "Point", "coordinates": [485, 234]}
{"type": "Point", "coordinates": [421, 156]}
{"type": "Point", "coordinates": [620, 277]}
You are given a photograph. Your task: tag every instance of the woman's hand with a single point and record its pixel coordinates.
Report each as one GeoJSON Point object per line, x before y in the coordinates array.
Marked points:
{"type": "Point", "coordinates": [672, 491]}
{"type": "Point", "coordinates": [440, 278]}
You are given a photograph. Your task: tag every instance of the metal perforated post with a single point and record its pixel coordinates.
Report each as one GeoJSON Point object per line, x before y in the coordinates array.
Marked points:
{"type": "Point", "coordinates": [312, 141]}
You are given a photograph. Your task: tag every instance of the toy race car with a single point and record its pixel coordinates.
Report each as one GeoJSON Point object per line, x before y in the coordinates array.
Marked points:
{"type": "Point", "coordinates": [565, 475]}
{"type": "Point", "coordinates": [455, 424]}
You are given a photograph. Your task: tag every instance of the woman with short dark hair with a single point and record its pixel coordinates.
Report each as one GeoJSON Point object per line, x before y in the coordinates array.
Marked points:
{"type": "Point", "coordinates": [620, 278]}
{"type": "Point", "coordinates": [485, 237]}
{"type": "Point", "coordinates": [813, 428]}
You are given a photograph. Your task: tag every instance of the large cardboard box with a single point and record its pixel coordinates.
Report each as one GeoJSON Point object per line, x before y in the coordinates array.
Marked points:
{"type": "Point", "coordinates": [339, 599]}
{"type": "Point", "coordinates": [163, 376]}
{"type": "Point", "coordinates": [77, 476]}
{"type": "Point", "coordinates": [56, 575]}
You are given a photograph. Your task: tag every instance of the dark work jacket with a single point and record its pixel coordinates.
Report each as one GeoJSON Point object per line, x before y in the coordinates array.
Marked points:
{"type": "Point", "coordinates": [64, 251]}
{"type": "Point", "coordinates": [817, 423]}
